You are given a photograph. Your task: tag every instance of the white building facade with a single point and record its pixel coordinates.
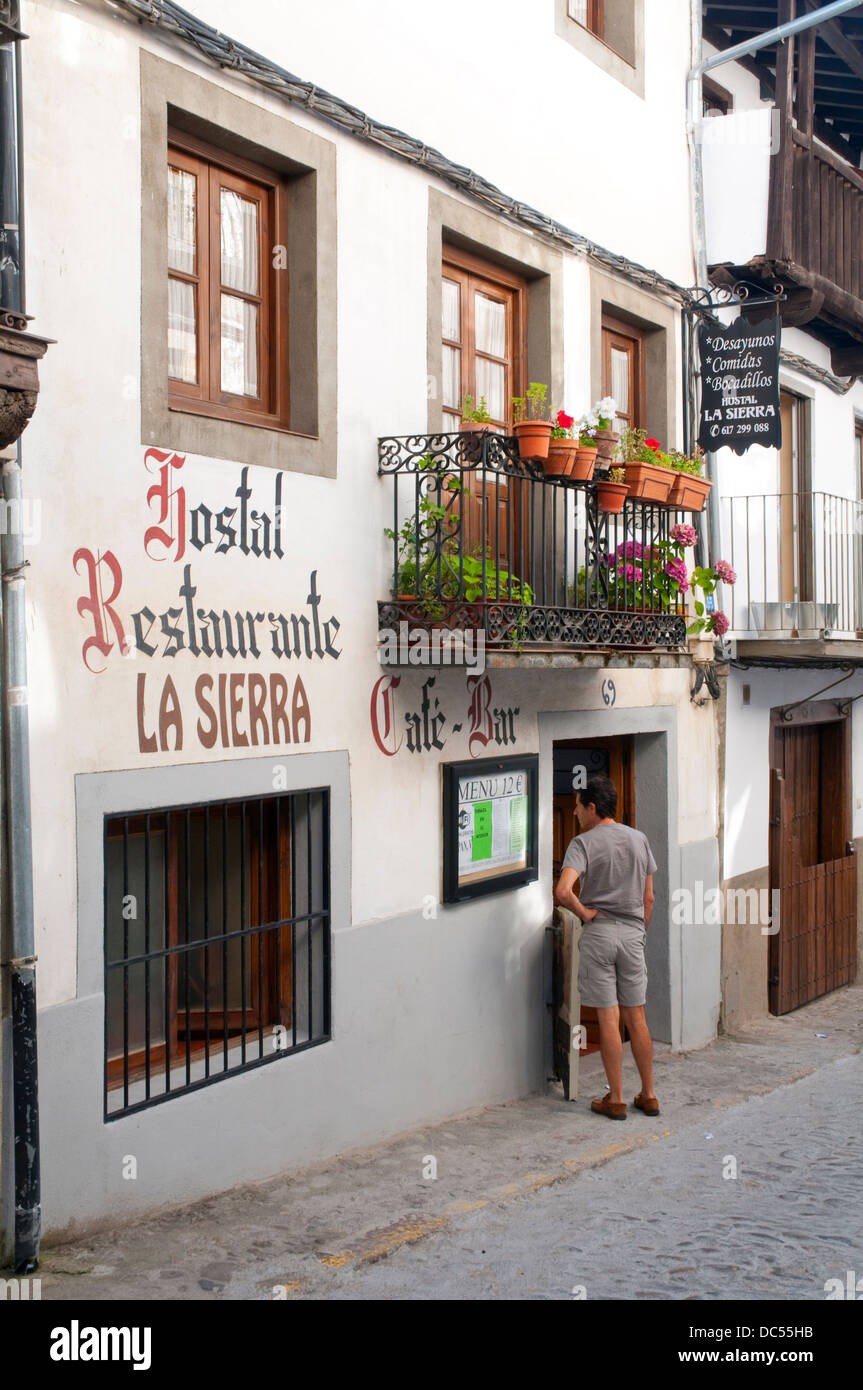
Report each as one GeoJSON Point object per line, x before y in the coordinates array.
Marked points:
{"type": "Point", "coordinates": [240, 827]}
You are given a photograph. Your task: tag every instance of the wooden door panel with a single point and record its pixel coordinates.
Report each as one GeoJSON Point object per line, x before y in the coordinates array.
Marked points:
{"type": "Point", "coordinates": [814, 951]}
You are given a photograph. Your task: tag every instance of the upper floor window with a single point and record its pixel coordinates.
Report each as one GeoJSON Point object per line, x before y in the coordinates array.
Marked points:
{"type": "Point", "coordinates": [623, 371]}
{"type": "Point", "coordinates": [483, 315]}
{"type": "Point", "coordinates": [227, 292]}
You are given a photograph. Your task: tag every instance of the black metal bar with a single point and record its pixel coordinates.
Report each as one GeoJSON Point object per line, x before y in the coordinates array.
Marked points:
{"type": "Point", "coordinates": [125, 958]}
{"type": "Point", "coordinates": [309, 927]}
{"type": "Point", "coordinates": [207, 940]}
{"type": "Point", "coordinates": [187, 928]}
{"type": "Point", "coordinates": [147, 952]}
{"type": "Point", "coordinates": [262, 940]}
{"type": "Point", "coordinates": [277, 992]}
{"type": "Point", "coordinates": [243, 919]}
{"type": "Point", "coordinates": [166, 970]}
{"type": "Point", "coordinates": [292, 804]}
{"type": "Point", "coordinates": [225, 936]}
{"type": "Point", "coordinates": [326, 906]}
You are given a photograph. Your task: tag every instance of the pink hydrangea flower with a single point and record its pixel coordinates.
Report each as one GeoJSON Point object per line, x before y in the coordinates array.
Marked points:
{"type": "Point", "coordinates": [631, 573]}
{"type": "Point", "coordinates": [724, 571]}
{"type": "Point", "coordinates": [720, 624]}
{"type": "Point", "coordinates": [684, 535]}
{"type": "Point", "coordinates": [631, 549]}
{"type": "Point", "coordinates": [676, 569]}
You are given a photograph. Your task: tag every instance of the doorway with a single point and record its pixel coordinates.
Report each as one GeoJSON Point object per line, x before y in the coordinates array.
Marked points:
{"type": "Point", "coordinates": [575, 761]}
{"type": "Point", "coordinates": [812, 863]}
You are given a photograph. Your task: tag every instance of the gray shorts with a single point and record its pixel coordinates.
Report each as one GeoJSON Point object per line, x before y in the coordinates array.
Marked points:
{"type": "Point", "coordinates": [611, 967]}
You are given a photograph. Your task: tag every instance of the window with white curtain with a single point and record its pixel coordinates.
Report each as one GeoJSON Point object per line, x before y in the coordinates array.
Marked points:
{"type": "Point", "coordinates": [227, 285]}
{"type": "Point", "coordinates": [482, 311]}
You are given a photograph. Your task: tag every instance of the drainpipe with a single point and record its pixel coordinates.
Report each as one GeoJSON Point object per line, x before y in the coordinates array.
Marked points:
{"type": "Point", "coordinates": [693, 120]}
{"type": "Point", "coordinates": [20, 351]}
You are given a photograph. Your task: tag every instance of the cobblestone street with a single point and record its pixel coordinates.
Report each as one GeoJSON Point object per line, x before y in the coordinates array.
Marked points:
{"type": "Point", "coordinates": [536, 1198]}
{"type": "Point", "coordinates": [663, 1223]}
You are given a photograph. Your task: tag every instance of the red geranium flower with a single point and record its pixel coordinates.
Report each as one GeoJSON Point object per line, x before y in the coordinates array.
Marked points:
{"type": "Point", "coordinates": [565, 421]}
{"type": "Point", "coordinates": [654, 444]}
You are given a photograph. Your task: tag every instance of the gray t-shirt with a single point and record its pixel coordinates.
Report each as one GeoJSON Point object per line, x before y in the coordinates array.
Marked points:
{"type": "Point", "coordinates": [612, 862]}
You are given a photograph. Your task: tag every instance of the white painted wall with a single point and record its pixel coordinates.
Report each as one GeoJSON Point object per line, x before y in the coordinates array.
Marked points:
{"type": "Point", "coordinates": [84, 460]}
{"type": "Point", "coordinates": [492, 87]}
{"type": "Point", "coordinates": [747, 776]}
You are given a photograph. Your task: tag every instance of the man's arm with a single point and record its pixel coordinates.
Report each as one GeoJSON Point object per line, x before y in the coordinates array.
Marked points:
{"type": "Point", "coordinates": [649, 899]}
{"type": "Point", "coordinates": [564, 894]}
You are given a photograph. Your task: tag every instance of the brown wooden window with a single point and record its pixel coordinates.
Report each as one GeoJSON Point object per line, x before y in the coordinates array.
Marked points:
{"type": "Point", "coordinates": [589, 14]}
{"type": "Point", "coordinates": [227, 286]}
{"type": "Point", "coordinates": [484, 339]}
{"type": "Point", "coordinates": [216, 941]}
{"type": "Point", "coordinates": [483, 318]}
{"type": "Point", "coordinates": [623, 371]}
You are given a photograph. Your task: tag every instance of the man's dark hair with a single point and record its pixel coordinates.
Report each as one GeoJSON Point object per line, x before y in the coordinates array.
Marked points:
{"type": "Point", "coordinates": [602, 792]}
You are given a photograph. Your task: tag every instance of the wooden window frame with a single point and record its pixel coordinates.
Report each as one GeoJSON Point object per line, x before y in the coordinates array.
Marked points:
{"type": "Point", "coordinates": [269, 880]}
{"type": "Point", "coordinates": [595, 19]}
{"type": "Point", "coordinates": [472, 272]}
{"type": "Point", "coordinates": [213, 169]}
{"type": "Point", "coordinates": [617, 328]}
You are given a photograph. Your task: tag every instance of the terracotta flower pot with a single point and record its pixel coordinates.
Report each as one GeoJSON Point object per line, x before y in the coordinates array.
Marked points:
{"type": "Point", "coordinates": [534, 437]}
{"type": "Point", "coordinates": [561, 457]}
{"type": "Point", "coordinates": [611, 496]}
{"type": "Point", "coordinates": [688, 493]}
{"type": "Point", "coordinates": [649, 481]}
{"type": "Point", "coordinates": [585, 462]}
{"type": "Point", "coordinates": [606, 442]}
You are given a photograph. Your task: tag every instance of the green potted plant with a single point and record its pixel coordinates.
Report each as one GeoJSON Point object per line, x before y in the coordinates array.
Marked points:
{"type": "Point", "coordinates": [532, 430]}
{"type": "Point", "coordinates": [648, 471]}
{"type": "Point", "coordinates": [464, 583]}
{"type": "Point", "coordinates": [690, 488]}
{"type": "Point", "coordinates": [471, 416]}
{"type": "Point", "coordinates": [562, 447]}
{"type": "Point", "coordinates": [423, 540]}
{"type": "Point", "coordinates": [611, 491]}
{"type": "Point", "coordinates": [588, 450]}
{"type": "Point", "coordinates": [602, 416]}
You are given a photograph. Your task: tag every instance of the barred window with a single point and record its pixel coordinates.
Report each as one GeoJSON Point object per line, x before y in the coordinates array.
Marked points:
{"type": "Point", "coordinates": [217, 945]}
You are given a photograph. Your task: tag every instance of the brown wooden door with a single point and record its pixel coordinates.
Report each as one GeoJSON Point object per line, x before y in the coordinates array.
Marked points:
{"type": "Point", "coordinates": [815, 949]}
{"type": "Point", "coordinates": [614, 758]}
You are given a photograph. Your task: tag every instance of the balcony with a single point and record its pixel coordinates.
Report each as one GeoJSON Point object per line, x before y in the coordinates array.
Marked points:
{"type": "Point", "coordinates": [480, 541]}
{"type": "Point", "coordinates": [799, 563]}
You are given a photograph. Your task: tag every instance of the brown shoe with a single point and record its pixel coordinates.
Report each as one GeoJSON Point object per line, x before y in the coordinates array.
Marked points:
{"type": "Point", "coordinates": [649, 1104]}
{"type": "Point", "coordinates": [615, 1110]}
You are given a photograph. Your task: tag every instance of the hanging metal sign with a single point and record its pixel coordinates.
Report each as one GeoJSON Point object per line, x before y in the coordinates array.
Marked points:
{"type": "Point", "coordinates": [740, 385]}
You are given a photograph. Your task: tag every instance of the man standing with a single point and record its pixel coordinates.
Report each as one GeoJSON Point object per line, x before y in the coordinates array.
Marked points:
{"type": "Point", "coordinates": [615, 867]}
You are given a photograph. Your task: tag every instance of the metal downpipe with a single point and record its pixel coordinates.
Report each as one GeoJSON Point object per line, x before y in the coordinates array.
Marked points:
{"type": "Point", "coordinates": [18, 877]}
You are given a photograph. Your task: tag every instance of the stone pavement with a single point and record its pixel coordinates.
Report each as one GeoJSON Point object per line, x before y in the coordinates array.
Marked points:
{"type": "Point", "coordinates": [373, 1224]}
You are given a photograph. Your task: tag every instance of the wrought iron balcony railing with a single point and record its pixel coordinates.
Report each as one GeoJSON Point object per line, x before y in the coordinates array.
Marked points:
{"type": "Point", "coordinates": [799, 563]}
{"type": "Point", "coordinates": [479, 539]}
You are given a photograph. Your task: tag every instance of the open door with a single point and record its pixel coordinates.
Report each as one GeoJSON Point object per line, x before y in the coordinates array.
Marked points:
{"type": "Point", "coordinates": [614, 758]}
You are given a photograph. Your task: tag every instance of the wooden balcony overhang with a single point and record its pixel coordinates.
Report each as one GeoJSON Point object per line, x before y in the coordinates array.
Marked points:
{"type": "Point", "coordinates": [814, 243]}
{"type": "Point", "coordinates": [830, 313]}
